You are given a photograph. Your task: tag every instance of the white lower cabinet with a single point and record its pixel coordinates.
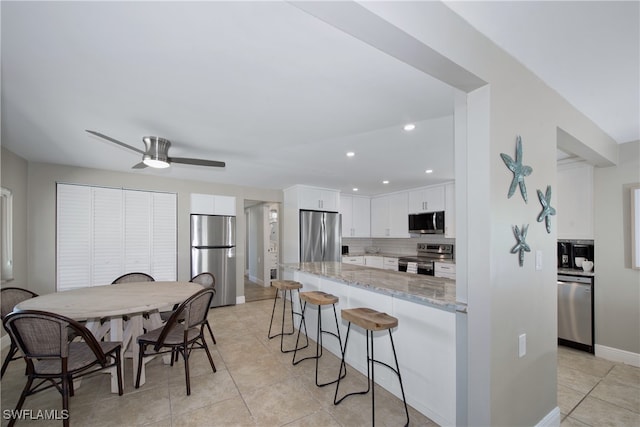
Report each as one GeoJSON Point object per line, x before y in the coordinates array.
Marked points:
{"type": "Point", "coordinates": [390, 263]}
{"type": "Point", "coordinates": [357, 260]}
{"type": "Point", "coordinates": [444, 269]}
{"type": "Point", "coordinates": [425, 342]}
{"type": "Point", "coordinates": [373, 261]}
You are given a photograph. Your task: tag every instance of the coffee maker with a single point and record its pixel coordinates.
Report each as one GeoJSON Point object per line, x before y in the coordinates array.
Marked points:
{"type": "Point", "coordinates": [565, 255]}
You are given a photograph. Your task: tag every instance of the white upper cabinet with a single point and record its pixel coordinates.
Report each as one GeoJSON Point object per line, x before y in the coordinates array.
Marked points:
{"type": "Point", "coordinates": [574, 205]}
{"type": "Point", "coordinates": [356, 216]}
{"type": "Point", "coordinates": [211, 204]}
{"type": "Point", "coordinates": [427, 199]}
{"type": "Point", "coordinates": [321, 199]}
{"type": "Point", "coordinates": [390, 215]}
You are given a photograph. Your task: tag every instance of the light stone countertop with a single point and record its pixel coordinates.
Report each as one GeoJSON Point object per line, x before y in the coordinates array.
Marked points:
{"type": "Point", "coordinates": [576, 272]}
{"type": "Point", "coordinates": [422, 289]}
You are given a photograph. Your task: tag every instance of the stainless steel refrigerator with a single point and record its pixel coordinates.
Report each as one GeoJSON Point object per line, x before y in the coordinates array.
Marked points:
{"type": "Point", "coordinates": [213, 250]}
{"type": "Point", "coordinates": [320, 236]}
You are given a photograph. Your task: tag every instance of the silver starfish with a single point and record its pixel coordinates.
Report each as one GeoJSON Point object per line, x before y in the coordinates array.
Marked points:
{"type": "Point", "coordinates": [521, 247]}
{"type": "Point", "coordinates": [518, 169]}
{"type": "Point", "coordinates": [547, 210]}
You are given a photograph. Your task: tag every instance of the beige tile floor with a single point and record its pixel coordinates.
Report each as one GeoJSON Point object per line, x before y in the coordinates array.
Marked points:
{"type": "Point", "coordinates": [256, 385]}
{"type": "Point", "coordinates": [596, 392]}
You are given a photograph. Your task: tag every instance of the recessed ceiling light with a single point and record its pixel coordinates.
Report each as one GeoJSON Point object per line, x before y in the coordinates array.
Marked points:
{"type": "Point", "coordinates": [385, 182]}
{"type": "Point", "coordinates": [350, 154]}
{"type": "Point", "coordinates": [428, 171]}
{"type": "Point", "coordinates": [409, 127]}
{"type": "Point", "coordinates": [355, 189]}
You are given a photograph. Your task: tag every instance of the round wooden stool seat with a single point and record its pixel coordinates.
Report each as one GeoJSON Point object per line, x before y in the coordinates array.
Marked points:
{"type": "Point", "coordinates": [286, 285]}
{"type": "Point", "coordinates": [318, 298]}
{"type": "Point", "coordinates": [369, 319]}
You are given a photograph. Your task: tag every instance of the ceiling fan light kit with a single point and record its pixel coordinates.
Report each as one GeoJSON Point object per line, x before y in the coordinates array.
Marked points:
{"type": "Point", "coordinates": [156, 153]}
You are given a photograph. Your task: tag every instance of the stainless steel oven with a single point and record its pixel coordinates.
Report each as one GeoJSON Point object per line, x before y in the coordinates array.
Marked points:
{"type": "Point", "coordinates": [427, 254]}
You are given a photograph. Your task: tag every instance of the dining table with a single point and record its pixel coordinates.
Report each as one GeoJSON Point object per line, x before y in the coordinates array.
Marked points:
{"type": "Point", "coordinates": [122, 311]}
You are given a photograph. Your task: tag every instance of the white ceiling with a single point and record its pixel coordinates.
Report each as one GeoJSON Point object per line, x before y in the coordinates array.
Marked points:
{"type": "Point", "coordinates": [277, 94]}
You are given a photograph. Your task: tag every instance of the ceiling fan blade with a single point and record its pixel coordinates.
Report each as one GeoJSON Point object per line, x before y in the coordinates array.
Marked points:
{"type": "Point", "coordinates": [139, 166]}
{"type": "Point", "coordinates": [199, 162]}
{"type": "Point", "coordinates": [115, 141]}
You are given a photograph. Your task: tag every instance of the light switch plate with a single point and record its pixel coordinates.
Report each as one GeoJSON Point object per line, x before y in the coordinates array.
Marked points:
{"type": "Point", "coordinates": [538, 260]}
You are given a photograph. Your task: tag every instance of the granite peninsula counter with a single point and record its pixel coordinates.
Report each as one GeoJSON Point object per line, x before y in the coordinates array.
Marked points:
{"type": "Point", "coordinates": [425, 338]}
{"type": "Point", "coordinates": [418, 288]}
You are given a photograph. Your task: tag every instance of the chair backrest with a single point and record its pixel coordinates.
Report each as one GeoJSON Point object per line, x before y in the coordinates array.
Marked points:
{"type": "Point", "coordinates": [207, 280]}
{"type": "Point", "coordinates": [44, 335]}
{"type": "Point", "coordinates": [133, 277]}
{"type": "Point", "coordinates": [9, 297]}
{"type": "Point", "coordinates": [193, 310]}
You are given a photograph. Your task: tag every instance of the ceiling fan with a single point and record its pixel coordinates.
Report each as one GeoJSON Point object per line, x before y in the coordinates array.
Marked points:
{"type": "Point", "coordinates": [156, 153]}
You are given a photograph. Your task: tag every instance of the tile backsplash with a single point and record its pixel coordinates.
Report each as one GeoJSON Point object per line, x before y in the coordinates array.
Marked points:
{"type": "Point", "coordinates": [391, 246]}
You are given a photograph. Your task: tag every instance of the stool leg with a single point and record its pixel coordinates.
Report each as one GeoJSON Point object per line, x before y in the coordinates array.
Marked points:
{"type": "Point", "coordinates": [302, 322]}
{"type": "Point", "coordinates": [272, 313]}
{"type": "Point", "coordinates": [344, 364]}
{"type": "Point", "coordinates": [373, 381]}
{"type": "Point", "coordinates": [393, 347]}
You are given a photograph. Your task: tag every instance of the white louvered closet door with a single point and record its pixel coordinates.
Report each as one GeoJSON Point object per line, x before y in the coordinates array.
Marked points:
{"type": "Point", "coordinates": [137, 231]}
{"type": "Point", "coordinates": [105, 232]}
{"type": "Point", "coordinates": [164, 237]}
{"type": "Point", "coordinates": [107, 235]}
{"type": "Point", "coordinates": [74, 237]}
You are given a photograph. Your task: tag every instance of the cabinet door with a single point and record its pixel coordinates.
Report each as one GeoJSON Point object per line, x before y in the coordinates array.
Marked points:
{"type": "Point", "coordinates": [329, 200]}
{"type": "Point", "coordinates": [374, 261]}
{"type": "Point", "coordinates": [399, 215]}
{"type": "Point", "coordinates": [346, 210]}
{"type": "Point", "coordinates": [380, 217]}
{"type": "Point", "coordinates": [357, 260]}
{"type": "Point", "coordinates": [428, 199]}
{"type": "Point", "coordinates": [361, 217]}
{"type": "Point", "coordinates": [319, 199]}
{"type": "Point", "coordinates": [224, 205]}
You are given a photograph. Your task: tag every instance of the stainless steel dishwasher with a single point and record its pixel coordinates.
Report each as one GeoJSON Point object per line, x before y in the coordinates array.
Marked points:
{"type": "Point", "coordinates": [575, 312]}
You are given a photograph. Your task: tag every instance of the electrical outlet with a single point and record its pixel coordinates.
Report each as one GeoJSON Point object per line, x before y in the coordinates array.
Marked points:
{"type": "Point", "coordinates": [522, 345]}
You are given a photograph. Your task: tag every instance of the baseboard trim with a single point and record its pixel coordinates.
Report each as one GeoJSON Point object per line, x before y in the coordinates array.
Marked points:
{"type": "Point", "coordinates": [240, 300]}
{"type": "Point", "coordinates": [617, 355]}
{"type": "Point", "coordinates": [552, 419]}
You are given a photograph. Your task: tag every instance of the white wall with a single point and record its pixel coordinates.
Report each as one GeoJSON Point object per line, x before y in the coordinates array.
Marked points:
{"type": "Point", "coordinates": [617, 285]}
{"type": "Point", "coordinates": [14, 177]}
{"type": "Point", "coordinates": [40, 237]}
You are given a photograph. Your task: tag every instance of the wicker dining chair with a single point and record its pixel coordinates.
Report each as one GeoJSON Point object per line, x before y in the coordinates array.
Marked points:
{"type": "Point", "coordinates": [207, 280]}
{"type": "Point", "coordinates": [180, 337]}
{"type": "Point", "coordinates": [43, 338]}
{"type": "Point", "coordinates": [133, 277]}
{"type": "Point", "coordinates": [9, 297]}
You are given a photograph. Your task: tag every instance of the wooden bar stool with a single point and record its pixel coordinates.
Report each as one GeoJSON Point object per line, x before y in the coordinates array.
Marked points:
{"type": "Point", "coordinates": [284, 286]}
{"type": "Point", "coordinates": [370, 320]}
{"type": "Point", "coordinates": [320, 299]}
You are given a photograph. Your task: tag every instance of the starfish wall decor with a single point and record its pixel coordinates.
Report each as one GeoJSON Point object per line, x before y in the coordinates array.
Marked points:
{"type": "Point", "coordinates": [519, 170]}
{"type": "Point", "coordinates": [521, 247]}
{"type": "Point", "coordinates": [547, 209]}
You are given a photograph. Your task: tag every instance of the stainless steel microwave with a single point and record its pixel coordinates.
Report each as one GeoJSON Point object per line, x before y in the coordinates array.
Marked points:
{"type": "Point", "coordinates": [426, 223]}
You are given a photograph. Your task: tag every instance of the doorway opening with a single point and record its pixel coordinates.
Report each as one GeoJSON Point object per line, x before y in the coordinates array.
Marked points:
{"type": "Point", "coordinates": [262, 249]}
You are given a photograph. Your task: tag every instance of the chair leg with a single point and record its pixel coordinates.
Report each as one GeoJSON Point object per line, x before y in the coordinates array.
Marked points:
{"type": "Point", "coordinates": [140, 357]}
{"type": "Point", "coordinates": [185, 355]}
{"type": "Point", "coordinates": [206, 348]}
{"type": "Point", "coordinates": [343, 364]}
{"type": "Point", "coordinates": [67, 390]}
{"type": "Point", "coordinates": [13, 349]}
{"type": "Point", "coordinates": [119, 370]}
{"type": "Point", "coordinates": [23, 396]}
{"type": "Point", "coordinates": [206, 322]}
